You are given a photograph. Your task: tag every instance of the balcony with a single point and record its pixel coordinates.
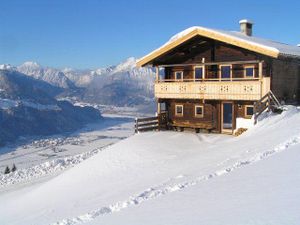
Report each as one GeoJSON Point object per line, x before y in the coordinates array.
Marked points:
{"type": "Point", "coordinates": [218, 90]}
{"type": "Point", "coordinates": [230, 82]}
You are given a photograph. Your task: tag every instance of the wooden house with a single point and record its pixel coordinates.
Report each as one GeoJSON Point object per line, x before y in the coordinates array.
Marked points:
{"type": "Point", "coordinates": [209, 79]}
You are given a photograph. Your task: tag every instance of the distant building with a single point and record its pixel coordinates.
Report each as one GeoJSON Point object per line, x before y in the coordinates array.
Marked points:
{"type": "Point", "coordinates": [208, 78]}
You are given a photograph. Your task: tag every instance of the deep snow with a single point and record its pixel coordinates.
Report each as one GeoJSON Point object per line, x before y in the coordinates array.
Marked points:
{"type": "Point", "coordinates": [181, 178]}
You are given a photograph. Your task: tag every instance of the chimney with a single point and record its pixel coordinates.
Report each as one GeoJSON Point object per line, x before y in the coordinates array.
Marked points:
{"type": "Point", "coordinates": [246, 27]}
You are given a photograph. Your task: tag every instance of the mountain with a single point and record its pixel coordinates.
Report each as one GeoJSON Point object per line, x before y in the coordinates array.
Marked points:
{"type": "Point", "coordinates": [28, 107]}
{"type": "Point", "coordinates": [120, 85]}
{"type": "Point", "coordinates": [47, 74]}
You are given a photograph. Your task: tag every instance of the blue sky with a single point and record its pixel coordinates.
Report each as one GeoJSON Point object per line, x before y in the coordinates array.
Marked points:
{"type": "Point", "coordinates": [97, 33]}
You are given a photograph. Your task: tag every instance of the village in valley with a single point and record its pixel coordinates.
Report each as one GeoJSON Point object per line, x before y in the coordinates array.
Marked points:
{"type": "Point", "coordinates": [201, 128]}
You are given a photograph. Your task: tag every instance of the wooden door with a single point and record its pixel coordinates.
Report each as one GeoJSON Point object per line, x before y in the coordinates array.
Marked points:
{"type": "Point", "coordinates": [227, 116]}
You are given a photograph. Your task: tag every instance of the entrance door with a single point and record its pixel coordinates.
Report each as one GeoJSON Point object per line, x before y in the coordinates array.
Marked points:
{"type": "Point", "coordinates": [227, 117]}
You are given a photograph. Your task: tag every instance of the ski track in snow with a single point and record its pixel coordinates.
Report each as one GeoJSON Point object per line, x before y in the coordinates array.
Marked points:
{"type": "Point", "coordinates": [166, 188]}
{"type": "Point", "coordinates": [46, 168]}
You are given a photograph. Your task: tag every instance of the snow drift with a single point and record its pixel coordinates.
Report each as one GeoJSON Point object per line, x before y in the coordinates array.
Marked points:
{"type": "Point", "coordinates": [165, 167]}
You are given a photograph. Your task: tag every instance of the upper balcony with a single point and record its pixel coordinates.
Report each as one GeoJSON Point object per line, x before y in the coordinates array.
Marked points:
{"type": "Point", "coordinates": [213, 81]}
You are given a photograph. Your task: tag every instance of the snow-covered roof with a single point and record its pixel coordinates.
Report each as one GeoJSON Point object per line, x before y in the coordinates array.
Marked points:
{"type": "Point", "coordinates": [263, 46]}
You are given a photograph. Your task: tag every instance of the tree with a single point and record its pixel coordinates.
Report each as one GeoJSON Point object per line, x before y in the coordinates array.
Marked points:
{"type": "Point", "coordinates": [14, 168]}
{"type": "Point", "coordinates": [7, 170]}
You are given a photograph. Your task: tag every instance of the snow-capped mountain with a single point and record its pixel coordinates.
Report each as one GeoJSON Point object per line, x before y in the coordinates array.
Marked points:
{"type": "Point", "coordinates": [28, 107]}
{"type": "Point", "coordinates": [7, 67]}
{"type": "Point", "coordinates": [122, 85]}
{"type": "Point", "coordinates": [50, 75]}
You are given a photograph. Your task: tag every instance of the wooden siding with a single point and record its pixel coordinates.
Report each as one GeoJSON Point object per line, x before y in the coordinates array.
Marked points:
{"type": "Point", "coordinates": [188, 119]}
{"type": "Point", "coordinates": [285, 82]}
{"type": "Point", "coordinates": [241, 108]}
{"type": "Point", "coordinates": [211, 72]}
{"type": "Point", "coordinates": [211, 117]}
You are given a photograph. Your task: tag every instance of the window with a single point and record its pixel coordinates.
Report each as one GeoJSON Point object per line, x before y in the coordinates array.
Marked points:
{"type": "Point", "coordinates": [161, 73]}
{"type": "Point", "coordinates": [199, 111]}
{"type": "Point", "coordinates": [249, 111]}
{"type": "Point", "coordinates": [199, 73]}
{"type": "Point", "coordinates": [162, 106]}
{"type": "Point", "coordinates": [225, 71]}
{"type": "Point", "coordinates": [179, 75]}
{"type": "Point", "coordinates": [179, 110]}
{"type": "Point", "coordinates": [249, 71]}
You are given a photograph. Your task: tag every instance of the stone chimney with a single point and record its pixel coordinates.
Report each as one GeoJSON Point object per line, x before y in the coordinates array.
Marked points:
{"type": "Point", "coordinates": [246, 27]}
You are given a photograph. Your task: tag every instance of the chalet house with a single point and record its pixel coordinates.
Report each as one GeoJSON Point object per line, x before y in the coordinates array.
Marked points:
{"type": "Point", "coordinates": [210, 79]}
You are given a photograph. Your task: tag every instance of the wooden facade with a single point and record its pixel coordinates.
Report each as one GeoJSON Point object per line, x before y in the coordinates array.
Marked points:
{"type": "Point", "coordinates": [220, 78]}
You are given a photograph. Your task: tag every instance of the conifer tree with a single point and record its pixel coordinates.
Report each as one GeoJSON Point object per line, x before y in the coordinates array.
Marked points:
{"type": "Point", "coordinates": [14, 168]}
{"type": "Point", "coordinates": [7, 170]}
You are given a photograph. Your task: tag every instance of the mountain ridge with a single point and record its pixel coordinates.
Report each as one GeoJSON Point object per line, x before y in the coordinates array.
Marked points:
{"type": "Point", "coordinates": [121, 85]}
{"type": "Point", "coordinates": [28, 107]}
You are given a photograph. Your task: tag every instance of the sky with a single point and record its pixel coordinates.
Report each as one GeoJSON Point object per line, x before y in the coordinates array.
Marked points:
{"type": "Point", "coordinates": [96, 33]}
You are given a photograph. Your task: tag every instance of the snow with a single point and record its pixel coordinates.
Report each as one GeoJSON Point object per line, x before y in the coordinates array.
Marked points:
{"type": "Point", "coordinates": [31, 64]}
{"type": "Point", "coordinates": [174, 178]}
{"type": "Point", "coordinates": [6, 67]}
{"type": "Point", "coordinates": [257, 194]}
{"type": "Point", "coordinates": [39, 158]}
{"type": "Point", "coordinates": [245, 21]}
{"type": "Point", "coordinates": [274, 46]}
{"type": "Point", "coordinates": [7, 103]}
{"type": "Point", "coordinates": [244, 123]}
{"type": "Point", "coordinates": [10, 103]}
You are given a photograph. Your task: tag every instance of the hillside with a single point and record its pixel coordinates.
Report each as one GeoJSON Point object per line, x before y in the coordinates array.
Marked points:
{"type": "Point", "coordinates": [28, 107]}
{"type": "Point", "coordinates": [174, 178]}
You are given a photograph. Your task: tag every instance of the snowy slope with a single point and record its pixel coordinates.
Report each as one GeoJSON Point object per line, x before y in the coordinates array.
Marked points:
{"type": "Point", "coordinates": [194, 176]}
{"type": "Point", "coordinates": [264, 193]}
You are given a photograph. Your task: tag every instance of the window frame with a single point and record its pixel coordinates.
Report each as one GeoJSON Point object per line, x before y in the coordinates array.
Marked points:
{"type": "Point", "coordinates": [220, 72]}
{"type": "Point", "coordinates": [195, 111]}
{"type": "Point", "coordinates": [203, 72]}
{"type": "Point", "coordinates": [179, 114]}
{"type": "Point", "coordinates": [179, 71]}
{"type": "Point", "coordinates": [247, 115]}
{"type": "Point", "coordinates": [245, 73]}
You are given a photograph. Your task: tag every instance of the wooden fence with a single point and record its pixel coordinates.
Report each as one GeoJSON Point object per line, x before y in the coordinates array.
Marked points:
{"type": "Point", "coordinates": [268, 101]}
{"type": "Point", "coordinates": [158, 122]}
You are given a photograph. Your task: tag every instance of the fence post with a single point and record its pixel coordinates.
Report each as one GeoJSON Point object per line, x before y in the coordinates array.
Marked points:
{"type": "Point", "coordinates": [136, 130]}
{"type": "Point", "coordinates": [269, 103]}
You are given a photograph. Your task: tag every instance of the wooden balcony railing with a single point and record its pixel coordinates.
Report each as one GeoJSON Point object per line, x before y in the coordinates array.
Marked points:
{"type": "Point", "coordinates": [232, 89]}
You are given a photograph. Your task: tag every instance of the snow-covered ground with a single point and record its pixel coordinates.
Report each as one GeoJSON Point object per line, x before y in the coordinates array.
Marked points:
{"type": "Point", "coordinates": [47, 157]}
{"type": "Point", "coordinates": [10, 103]}
{"type": "Point", "coordinates": [174, 178]}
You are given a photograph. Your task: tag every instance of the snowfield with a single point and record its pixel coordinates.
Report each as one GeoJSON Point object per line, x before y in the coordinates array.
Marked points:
{"type": "Point", "coordinates": [47, 157]}
{"type": "Point", "coordinates": [174, 178]}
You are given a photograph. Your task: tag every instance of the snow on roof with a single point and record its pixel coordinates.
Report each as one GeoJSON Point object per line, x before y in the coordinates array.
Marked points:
{"type": "Point", "coordinates": [256, 44]}
{"type": "Point", "coordinates": [282, 48]}
{"type": "Point", "coordinates": [245, 21]}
